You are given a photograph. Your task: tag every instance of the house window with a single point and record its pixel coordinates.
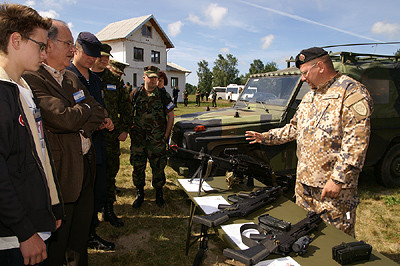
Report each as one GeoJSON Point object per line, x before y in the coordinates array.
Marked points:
{"type": "Point", "coordinates": [134, 80]}
{"type": "Point", "coordinates": [146, 31]}
{"type": "Point", "coordinates": [155, 57]}
{"type": "Point", "coordinates": [138, 54]}
{"type": "Point", "coordinates": [174, 82]}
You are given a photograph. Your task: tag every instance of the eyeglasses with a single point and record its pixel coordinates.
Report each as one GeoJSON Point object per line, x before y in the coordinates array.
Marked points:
{"type": "Point", "coordinates": [305, 73]}
{"type": "Point", "coordinates": [42, 46]}
{"type": "Point", "coordinates": [69, 44]}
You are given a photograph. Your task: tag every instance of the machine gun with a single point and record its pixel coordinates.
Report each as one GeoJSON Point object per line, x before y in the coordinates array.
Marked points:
{"type": "Point", "coordinates": [241, 168]}
{"type": "Point", "coordinates": [245, 203]}
{"type": "Point", "coordinates": [278, 244]}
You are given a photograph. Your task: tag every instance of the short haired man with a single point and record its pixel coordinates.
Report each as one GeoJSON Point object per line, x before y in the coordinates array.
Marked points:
{"type": "Point", "coordinates": [30, 201]}
{"type": "Point", "coordinates": [70, 115]}
{"type": "Point", "coordinates": [119, 108]}
{"type": "Point", "coordinates": [153, 117]}
{"type": "Point", "coordinates": [87, 51]}
{"type": "Point", "coordinates": [332, 129]}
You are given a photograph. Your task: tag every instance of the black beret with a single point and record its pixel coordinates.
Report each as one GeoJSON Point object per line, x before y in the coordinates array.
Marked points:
{"type": "Point", "coordinates": [90, 44]}
{"type": "Point", "coordinates": [308, 55]}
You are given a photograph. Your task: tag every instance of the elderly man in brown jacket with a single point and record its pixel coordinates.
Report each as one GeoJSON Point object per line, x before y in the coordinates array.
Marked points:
{"type": "Point", "coordinates": [70, 115]}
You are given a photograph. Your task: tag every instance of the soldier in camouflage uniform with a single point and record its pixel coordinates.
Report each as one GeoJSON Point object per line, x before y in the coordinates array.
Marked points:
{"type": "Point", "coordinates": [152, 124]}
{"type": "Point", "coordinates": [119, 109]}
{"type": "Point", "coordinates": [185, 97]}
{"type": "Point", "coordinates": [332, 129]}
{"type": "Point", "coordinates": [214, 98]}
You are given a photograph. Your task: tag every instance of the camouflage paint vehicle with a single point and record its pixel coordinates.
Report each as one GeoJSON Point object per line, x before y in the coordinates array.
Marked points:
{"type": "Point", "coordinates": [270, 100]}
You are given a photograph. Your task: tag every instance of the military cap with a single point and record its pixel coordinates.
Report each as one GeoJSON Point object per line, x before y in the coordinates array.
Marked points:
{"type": "Point", "coordinates": [118, 66]}
{"type": "Point", "coordinates": [308, 55]}
{"type": "Point", "coordinates": [151, 71]}
{"type": "Point", "coordinates": [106, 50]}
{"type": "Point", "coordinates": [90, 44]}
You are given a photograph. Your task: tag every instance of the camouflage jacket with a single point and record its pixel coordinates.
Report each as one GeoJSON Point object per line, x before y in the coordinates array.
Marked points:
{"type": "Point", "coordinates": [149, 113]}
{"type": "Point", "coordinates": [117, 100]}
{"type": "Point", "coordinates": [332, 129]}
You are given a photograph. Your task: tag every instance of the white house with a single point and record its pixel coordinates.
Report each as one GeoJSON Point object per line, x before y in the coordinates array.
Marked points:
{"type": "Point", "coordinates": [141, 42]}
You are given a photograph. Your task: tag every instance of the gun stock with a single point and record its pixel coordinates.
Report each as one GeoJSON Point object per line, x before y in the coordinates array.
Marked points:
{"type": "Point", "coordinates": [248, 256]}
{"type": "Point", "coordinates": [212, 220]}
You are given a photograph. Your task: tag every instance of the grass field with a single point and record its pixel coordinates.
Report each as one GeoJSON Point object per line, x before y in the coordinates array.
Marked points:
{"type": "Point", "coordinates": [154, 236]}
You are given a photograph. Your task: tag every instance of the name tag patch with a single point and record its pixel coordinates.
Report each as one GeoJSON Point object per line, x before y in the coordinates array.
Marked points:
{"type": "Point", "coordinates": [111, 87]}
{"type": "Point", "coordinates": [79, 96]}
{"type": "Point", "coordinates": [170, 106]}
{"type": "Point", "coordinates": [331, 96]}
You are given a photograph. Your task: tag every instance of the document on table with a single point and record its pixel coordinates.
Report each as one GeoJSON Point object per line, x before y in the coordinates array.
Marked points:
{"type": "Point", "coordinates": [287, 261]}
{"type": "Point", "coordinates": [233, 231]}
{"type": "Point", "coordinates": [194, 185]}
{"type": "Point", "coordinates": [210, 204]}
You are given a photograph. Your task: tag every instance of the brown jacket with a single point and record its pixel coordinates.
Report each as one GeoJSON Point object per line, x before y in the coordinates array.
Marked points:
{"type": "Point", "coordinates": [64, 119]}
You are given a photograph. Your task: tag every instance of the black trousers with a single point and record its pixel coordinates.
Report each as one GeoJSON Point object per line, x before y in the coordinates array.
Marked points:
{"type": "Point", "coordinates": [71, 238]}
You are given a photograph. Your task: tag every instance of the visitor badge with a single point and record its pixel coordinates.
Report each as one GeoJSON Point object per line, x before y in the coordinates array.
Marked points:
{"type": "Point", "coordinates": [111, 87]}
{"type": "Point", "coordinates": [79, 96]}
{"type": "Point", "coordinates": [170, 105]}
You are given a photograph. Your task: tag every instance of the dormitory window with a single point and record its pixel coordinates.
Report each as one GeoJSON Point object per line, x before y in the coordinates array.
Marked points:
{"type": "Point", "coordinates": [174, 82]}
{"type": "Point", "coordinates": [155, 57]}
{"type": "Point", "coordinates": [138, 54]}
{"type": "Point", "coordinates": [146, 31]}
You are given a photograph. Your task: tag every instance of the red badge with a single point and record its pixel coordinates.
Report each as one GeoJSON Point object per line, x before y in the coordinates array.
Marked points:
{"type": "Point", "coordinates": [302, 57]}
{"type": "Point", "coordinates": [21, 121]}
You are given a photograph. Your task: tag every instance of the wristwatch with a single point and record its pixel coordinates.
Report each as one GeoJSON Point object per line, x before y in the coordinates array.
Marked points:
{"type": "Point", "coordinates": [337, 182]}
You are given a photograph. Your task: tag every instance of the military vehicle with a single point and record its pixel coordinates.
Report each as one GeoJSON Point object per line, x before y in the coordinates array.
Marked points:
{"type": "Point", "coordinates": [269, 100]}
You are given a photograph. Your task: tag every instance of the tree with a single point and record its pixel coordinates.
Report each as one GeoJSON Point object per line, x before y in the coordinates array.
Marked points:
{"type": "Point", "coordinates": [224, 70]}
{"type": "Point", "coordinates": [205, 76]}
{"type": "Point", "coordinates": [271, 66]}
{"type": "Point", "coordinates": [256, 67]}
{"type": "Point", "coordinates": [191, 88]}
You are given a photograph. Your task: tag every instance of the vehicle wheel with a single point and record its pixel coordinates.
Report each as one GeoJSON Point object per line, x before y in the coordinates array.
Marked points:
{"type": "Point", "coordinates": [387, 171]}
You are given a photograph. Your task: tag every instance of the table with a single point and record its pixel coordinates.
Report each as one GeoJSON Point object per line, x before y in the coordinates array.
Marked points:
{"type": "Point", "coordinates": [320, 250]}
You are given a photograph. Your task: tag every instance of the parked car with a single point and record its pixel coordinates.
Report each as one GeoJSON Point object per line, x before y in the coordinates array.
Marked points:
{"type": "Point", "coordinates": [275, 97]}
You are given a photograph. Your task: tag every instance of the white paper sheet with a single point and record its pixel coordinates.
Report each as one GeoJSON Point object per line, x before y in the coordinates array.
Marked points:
{"type": "Point", "coordinates": [210, 204]}
{"type": "Point", "coordinates": [287, 261]}
{"type": "Point", "coordinates": [194, 185]}
{"type": "Point", "coordinates": [233, 231]}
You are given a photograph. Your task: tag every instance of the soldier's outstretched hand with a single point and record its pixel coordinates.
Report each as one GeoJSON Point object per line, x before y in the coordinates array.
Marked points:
{"type": "Point", "coordinates": [254, 137]}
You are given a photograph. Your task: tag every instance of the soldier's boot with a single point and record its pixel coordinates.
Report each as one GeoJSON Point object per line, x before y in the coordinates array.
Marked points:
{"type": "Point", "coordinates": [109, 215]}
{"type": "Point", "coordinates": [139, 198]}
{"type": "Point", "coordinates": [96, 242]}
{"type": "Point", "coordinates": [159, 197]}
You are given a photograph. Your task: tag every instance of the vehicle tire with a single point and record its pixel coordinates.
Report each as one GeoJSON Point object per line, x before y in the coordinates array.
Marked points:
{"type": "Point", "coordinates": [387, 171]}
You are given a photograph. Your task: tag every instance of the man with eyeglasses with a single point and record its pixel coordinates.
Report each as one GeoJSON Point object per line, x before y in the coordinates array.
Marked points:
{"type": "Point", "coordinates": [153, 117]}
{"type": "Point", "coordinates": [332, 130]}
{"type": "Point", "coordinates": [71, 115]}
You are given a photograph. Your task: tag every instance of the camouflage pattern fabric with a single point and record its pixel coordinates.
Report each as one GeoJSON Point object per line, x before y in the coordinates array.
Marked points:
{"type": "Point", "coordinates": [332, 129]}
{"type": "Point", "coordinates": [185, 97]}
{"type": "Point", "coordinates": [341, 212]}
{"type": "Point", "coordinates": [148, 138]}
{"type": "Point", "coordinates": [119, 110]}
{"type": "Point", "coordinates": [198, 93]}
{"type": "Point", "coordinates": [214, 99]}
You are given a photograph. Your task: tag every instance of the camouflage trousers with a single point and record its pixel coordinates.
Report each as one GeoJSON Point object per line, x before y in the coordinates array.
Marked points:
{"type": "Point", "coordinates": [214, 103]}
{"type": "Point", "coordinates": [145, 146]}
{"type": "Point", "coordinates": [341, 211]}
{"type": "Point", "coordinates": [113, 153]}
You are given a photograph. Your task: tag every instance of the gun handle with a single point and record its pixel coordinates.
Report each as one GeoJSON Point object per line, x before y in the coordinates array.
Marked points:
{"type": "Point", "coordinates": [248, 256]}
{"type": "Point", "coordinates": [212, 219]}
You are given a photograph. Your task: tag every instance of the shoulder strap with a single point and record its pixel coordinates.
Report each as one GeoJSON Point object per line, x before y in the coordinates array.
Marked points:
{"type": "Point", "coordinates": [134, 95]}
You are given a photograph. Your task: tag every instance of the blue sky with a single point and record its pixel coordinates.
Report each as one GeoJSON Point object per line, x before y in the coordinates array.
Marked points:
{"type": "Point", "coordinates": [270, 30]}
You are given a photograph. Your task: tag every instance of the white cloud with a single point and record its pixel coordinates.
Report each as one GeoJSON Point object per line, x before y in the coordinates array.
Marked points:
{"type": "Point", "coordinates": [225, 50]}
{"type": "Point", "coordinates": [214, 15]}
{"type": "Point", "coordinates": [267, 41]}
{"type": "Point", "coordinates": [30, 3]}
{"type": "Point", "coordinates": [56, 4]}
{"type": "Point", "coordinates": [175, 28]}
{"type": "Point", "coordinates": [49, 14]}
{"type": "Point", "coordinates": [391, 30]}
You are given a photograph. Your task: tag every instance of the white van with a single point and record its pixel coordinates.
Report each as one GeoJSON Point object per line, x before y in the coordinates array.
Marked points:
{"type": "Point", "coordinates": [233, 92]}
{"type": "Point", "coordinates": [221, 93]}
